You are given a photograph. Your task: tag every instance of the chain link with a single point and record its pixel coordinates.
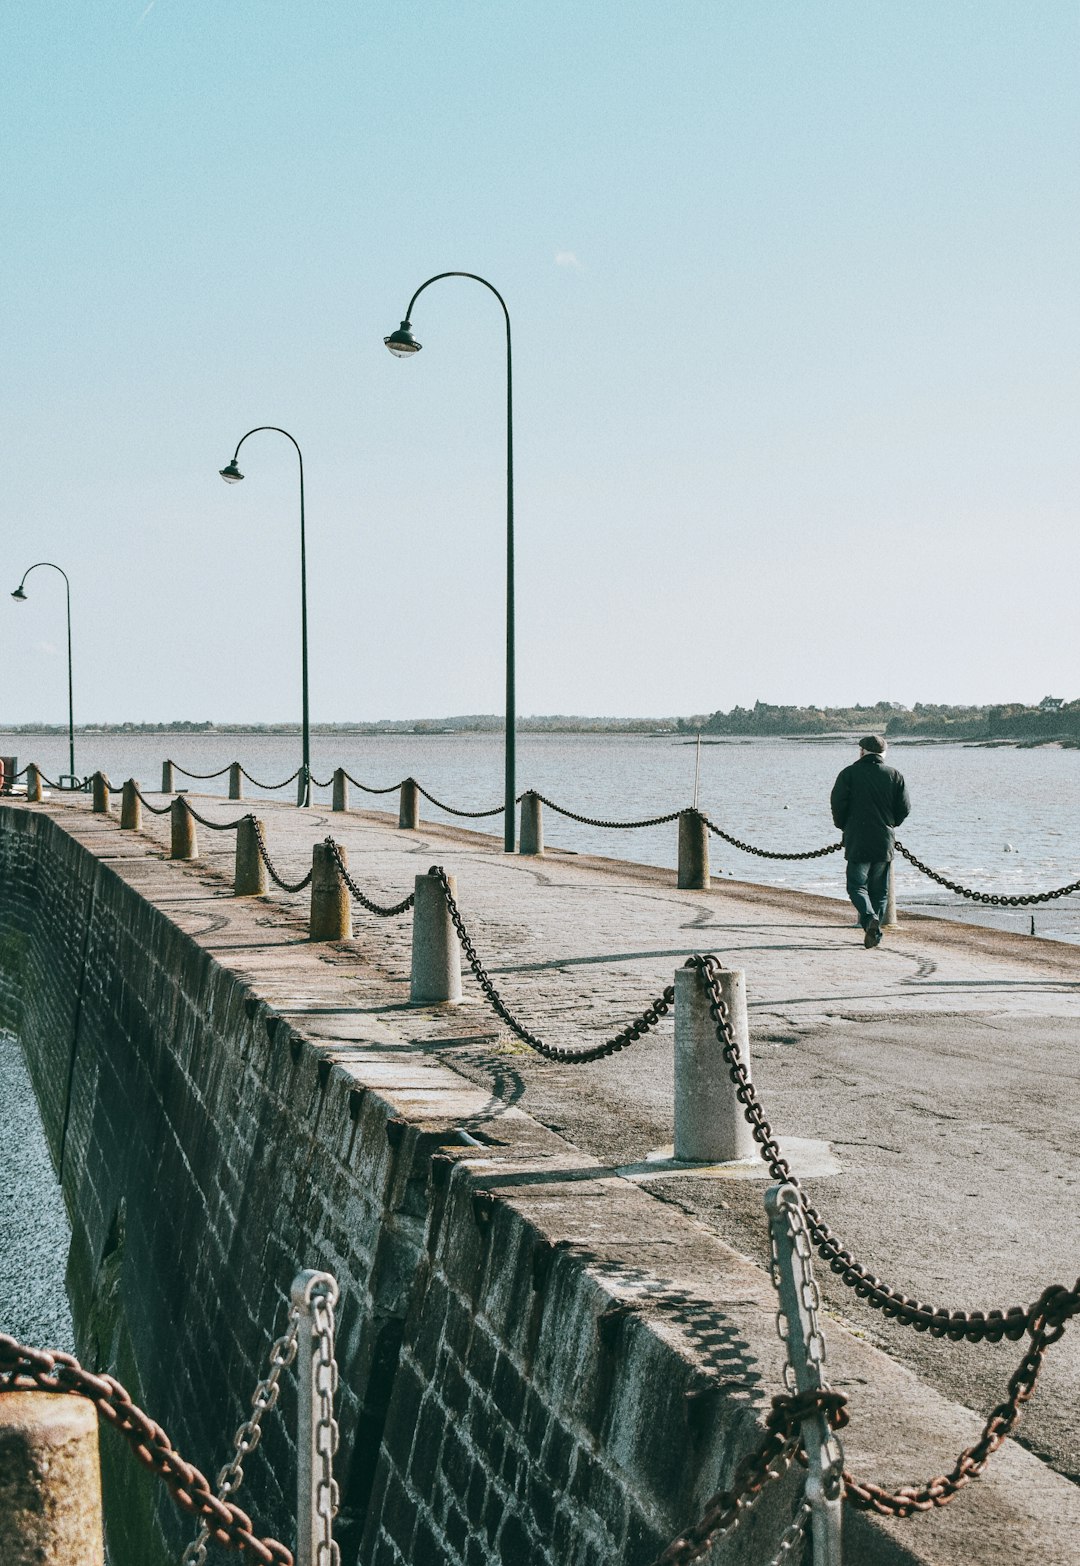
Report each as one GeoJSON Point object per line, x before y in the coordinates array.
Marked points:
{"type": "Point", "coordinates": [248, 1436]}
{"type": "Point", "coordinates": [996, 899]}
{"type": "Point", "coordinates": [366, 787]}
{"type": "Point", "coordinates": [270, 786]}
{"type": "Point", "coordinates": [271, 868]}
{"type": "Point", "coordinates": [218, 826]}
{"type": "Point", "coordinates": [975, 1326]}
{"type": "Point", "coordinates": [472, 815]}
{"type": "Point", "coordinates": [155, 810]}
{"type": "Point", "coordinates": [627, 826]}
{"type": "Point", "coordinates": [200, 777]}
{"type": "Point", "coordinates": [326, 1430]}
{"type": "Point", "coordinates": [766, 853]}
{"type": "Point", "coordinates": [365, 901]}
{"type": "Point", "coordinates": [629, 1035]}
{"type": "Point", "coordinates": [26, 1369]}
{"type": "Point", "coordinates": [793, 1536]}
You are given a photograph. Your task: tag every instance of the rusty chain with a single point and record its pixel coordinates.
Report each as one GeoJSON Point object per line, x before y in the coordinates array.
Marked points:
{"type": "Point", "coordinates": [217, 826]}
{"type": "Point", "coordinates": [200, 777]}
{"type": "Point", "coordinates": [271, 786]}
{"type": "Point", "coordinates": [366, 787]}
{"type": "Point", "coordinates": [592, 821]}
{"type": "Point", "coordinates": [766, 853]}
{"type": "Point", "coordinates": [769, 1460]}
{"type": "Point", "coordinates": [365, 901]}
{"type": "Point", "coordinates": [622, 1040]}
{"type": "Point", "coordinates": [997, 899]}
{"type": "Point", "coordinates": [271, 869]}
{"type": "Point", "coordinates": [974, 1326]}
{"type": "Point", "coordinates": [1046, 1325]}
{"type": "Point", "coordinates": [26, 1369]}
{"type": "Point", "coordinates": [155, 810]}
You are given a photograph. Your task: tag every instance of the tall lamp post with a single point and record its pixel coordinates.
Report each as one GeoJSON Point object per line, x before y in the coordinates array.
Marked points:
{"type": "Point", "coordinates": [403, 344]}
{"type": "Point", "coordinates": [232, 475]}
{"type": "Point", "coordinates": [20, 597]}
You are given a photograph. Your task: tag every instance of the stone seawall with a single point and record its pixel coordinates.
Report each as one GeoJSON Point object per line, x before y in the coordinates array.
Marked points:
{"type": "Point", "coordinates": [527, 1372]}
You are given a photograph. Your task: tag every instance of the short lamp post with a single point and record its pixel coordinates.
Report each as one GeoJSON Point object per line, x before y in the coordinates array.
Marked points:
{"type": "Point", "coordinates": [232, 475]}
{"type": "Point", "coordinates": [403, 344]}
{"type": "Point", "coordinates": [20, 597]}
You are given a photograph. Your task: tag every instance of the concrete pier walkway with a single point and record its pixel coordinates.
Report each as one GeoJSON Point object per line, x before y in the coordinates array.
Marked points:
{"type": "Point", "coordinates": [941, 1069]}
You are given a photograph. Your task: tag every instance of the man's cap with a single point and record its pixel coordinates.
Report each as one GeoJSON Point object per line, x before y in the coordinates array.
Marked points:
{"type": "Point", "coordinates": [873, 744]}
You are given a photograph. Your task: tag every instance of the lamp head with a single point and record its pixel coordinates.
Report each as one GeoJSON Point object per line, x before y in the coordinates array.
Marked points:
{"type": "Point", "coordinates": [19, 595]}
{"type": "Point", "coordinates": [402, 343]}
{"type": "Point", "coordinates": [231, 474]}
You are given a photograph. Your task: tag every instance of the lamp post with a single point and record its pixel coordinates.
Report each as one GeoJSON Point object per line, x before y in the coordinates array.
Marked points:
{"type": "Point", "coordinates": [19, 596]}
{"type": "Point", "coordinates": [403, 344]}
{"type": "Point", "coordinates": [232, 475]}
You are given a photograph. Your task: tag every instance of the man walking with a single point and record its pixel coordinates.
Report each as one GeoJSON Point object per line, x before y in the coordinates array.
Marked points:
{"type": "Point", "coordinates": [868, 800]}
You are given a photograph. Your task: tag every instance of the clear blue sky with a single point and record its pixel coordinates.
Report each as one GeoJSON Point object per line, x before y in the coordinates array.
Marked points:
{"type": "Point", "coordinates": [796, 318]}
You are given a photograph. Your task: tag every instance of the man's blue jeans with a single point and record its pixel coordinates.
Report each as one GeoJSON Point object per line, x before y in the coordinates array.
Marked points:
{"type": "Point", "coordinates": [868, 888]}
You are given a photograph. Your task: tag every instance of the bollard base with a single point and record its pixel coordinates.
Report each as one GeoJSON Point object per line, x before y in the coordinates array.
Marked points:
{"type": "Point", "coordinates": [809, 1159]}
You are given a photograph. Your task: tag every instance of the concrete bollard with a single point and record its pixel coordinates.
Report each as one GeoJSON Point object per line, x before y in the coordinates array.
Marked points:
{"type": "Point", "coordinates": [890, 906]}
{"type": "Point", "coordinates": [331, 904]}
{"type": "Point", "coordinates": [33, 784]}
{"type": "Point", "coordinates": [249, 878]}
{"type": "Point", "coordinates": [710, 1126]}
{"type": "Point", "coordinates": [236, 781]}
{"type": "Point", "coordinates": [185, 841]}
{"type": "Point", "coordinates": [531, 839]}
{"type": "Point", "coordinates": [50, 1481]}
{"type": "Point", "coordinates": [101, 792]}
{"type": "Point", "coordinates": [168, 782]}
{"type": "Point", "coordinates": [409, 808]}
{"type": "Point", "coordinates": [341, 790]}
{"type": "Point", "coordinates": [436, 951]}
{"type": "Point", "coordinates": [130, 807]}
{"type": "Point", "coordinates": [693, 851]}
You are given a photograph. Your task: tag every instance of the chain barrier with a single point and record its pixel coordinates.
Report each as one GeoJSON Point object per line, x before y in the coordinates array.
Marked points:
{"type": "Point", "coordinates": [318, 782]}
{"type": "Point", "coordinates": [472, 815]}
{"type": "Point", "coordinates": [997, 899]}
{"type": "Point", "coordinates": [218, 826]}
{"type": "Point", "coordinates": [248, 1436]}
{"type": "Point", "coordinates": [592, 821]}
{"type": "Point", "coordinates": [364, 901]}
{"type": "Point", "coordinates": [366, 787]}
{"type": "Point", "coordinates": [155, 810]}
{"type": "Point", "coordinates": [766, 853]}
{"type": "Point", "coordinates": [270, 786]}
{"type": "Point", "coordinates": [325, 1372]}
{"type": "Point", "coordinates": [200, 777]}
{"type": "Point", "coordinates": [629, 1035]}
{"type": "Point", "coordinates": [27, 1369]}
{"type": "Point", "coordinates": [271, 869]}
{"type": "Point", "coordinates": [974, 1326]}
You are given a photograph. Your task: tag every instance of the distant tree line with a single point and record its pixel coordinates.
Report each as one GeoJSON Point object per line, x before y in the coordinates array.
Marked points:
{"type": "Point", "coordinates": [1052, 719]}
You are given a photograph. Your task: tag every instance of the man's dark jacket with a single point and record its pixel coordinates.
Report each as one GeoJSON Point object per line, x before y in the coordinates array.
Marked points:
{"type": "Point", "coordinates": [868, 800]}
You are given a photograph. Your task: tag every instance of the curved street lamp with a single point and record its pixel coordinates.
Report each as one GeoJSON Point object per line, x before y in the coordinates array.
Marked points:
{"type": "Point", "coordinates": [402, 344]}
{"type": "Point", "coordinates": [20, 597]}
{"type": "Point", "coordinates": [232, 475]}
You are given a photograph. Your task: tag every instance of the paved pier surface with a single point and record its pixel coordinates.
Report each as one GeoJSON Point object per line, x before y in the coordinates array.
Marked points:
{"type": "Point", "coordinates": [942, 1068]}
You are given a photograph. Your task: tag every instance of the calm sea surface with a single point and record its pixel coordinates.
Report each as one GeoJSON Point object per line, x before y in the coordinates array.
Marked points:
{"type": "Point", "coordinates": [998, 820]}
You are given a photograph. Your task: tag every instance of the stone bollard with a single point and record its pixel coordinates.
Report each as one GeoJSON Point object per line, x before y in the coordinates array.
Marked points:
{"type": "Point", "coordinates": [236, 781]}
{"type": "Point", "coordinates": [436, 952]}
{"type": "Point", "coordinates": [409, 808]}
{"type": "Point", "coordinates": [130, 807]}
{"type": "Point", "coordinates": [168, 782]}
{"type": "Point", "coordinates": [50, 1481]}
{"type": "Point", "coordinates": [249, 878]}
{"type": "Point", "coordinates": [531, 840]}
{"type": "Point", "coordinates": [33, 784]}
{"type": "Point", "coordinates": [185, 841]}
{"type": "Point", "coordinates": [890, 906]}
{"type": "Point", "coordinates": [693, 851]}
{"type": "Point", "coordinates": [710, 1126]}
{"type": "Point", "coordinates": [331, 904]}
{"type": "Point", "coordinates": [100, 785]}
{"type": "Point", "coordinates": [341, 790]}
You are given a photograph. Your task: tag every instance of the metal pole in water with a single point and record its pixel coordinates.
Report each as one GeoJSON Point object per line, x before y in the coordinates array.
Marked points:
{"type": "Point", "coordinates": [314, 1294]}
{"type": "Point", "coordinates": [697, 769]}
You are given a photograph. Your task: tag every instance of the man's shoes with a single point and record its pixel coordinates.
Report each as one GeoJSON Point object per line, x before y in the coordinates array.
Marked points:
{"type": "Point", "coordinates": [873, 934]}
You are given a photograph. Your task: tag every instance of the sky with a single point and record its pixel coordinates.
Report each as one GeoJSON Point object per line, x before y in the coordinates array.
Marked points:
{"type": "Point", "coordinates": [795, 301]}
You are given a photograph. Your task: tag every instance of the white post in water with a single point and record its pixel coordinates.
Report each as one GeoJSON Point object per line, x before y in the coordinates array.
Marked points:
{"type": "Point", "coordinates": [436, 952]}
{"type": "Point", "coordinates": [314, 1295]}
{"type": "Point", "coordinates": [710, 1127]}
{"type": "Point", "coordinates": [697, 769]}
